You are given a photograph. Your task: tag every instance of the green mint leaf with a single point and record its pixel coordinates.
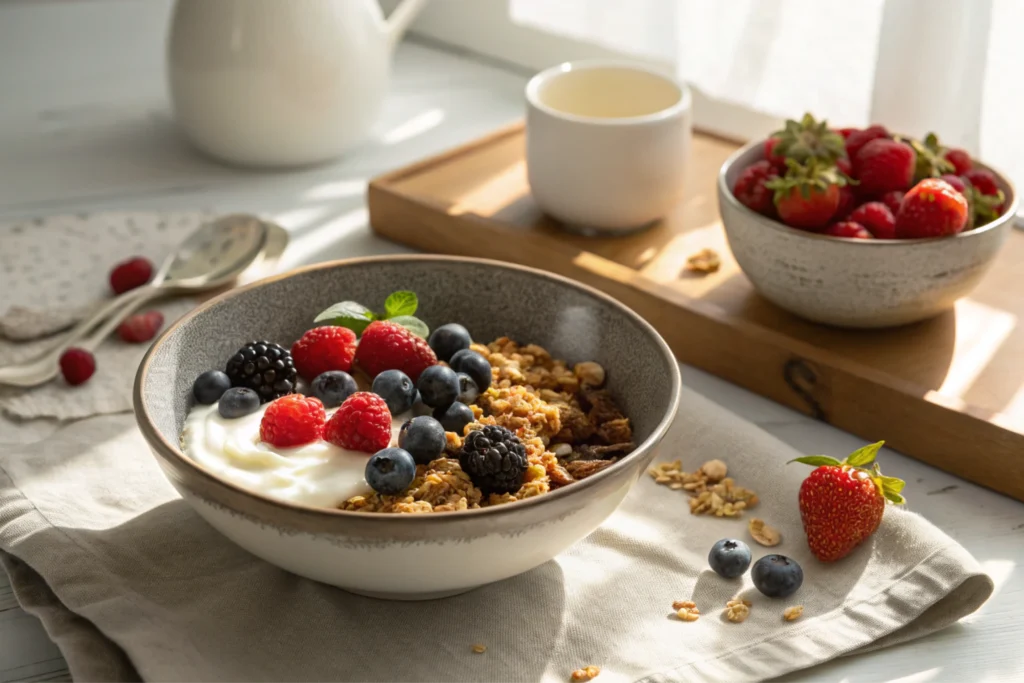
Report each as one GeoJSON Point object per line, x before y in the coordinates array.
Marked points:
{"type": "Point", "coordinates": [348, 314]}
{"type": "Point", "coordinates": [413, 324]}
{"type": "Point", "coordinates": [817, 460]}
{"type": "Point", "coordinates": [400, 303]}
{"type": "Point", "coordinates": [865, 455]}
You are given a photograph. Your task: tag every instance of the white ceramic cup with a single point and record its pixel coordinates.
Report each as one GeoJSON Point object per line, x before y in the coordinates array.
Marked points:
{"type": "Point", "coordinates": [607, 144]}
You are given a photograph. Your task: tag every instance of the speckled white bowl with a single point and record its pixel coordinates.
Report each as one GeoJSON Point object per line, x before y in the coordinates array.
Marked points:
{"type": "Point", "coordinates": [412, 557]}
{"type": "Point", "coordinates": [850, 282]}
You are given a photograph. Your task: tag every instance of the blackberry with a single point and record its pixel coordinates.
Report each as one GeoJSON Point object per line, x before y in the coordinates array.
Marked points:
{"type": "Point", "coordinates": [494, 458]}
{"type": "Point", "coordinates": [264, 367]}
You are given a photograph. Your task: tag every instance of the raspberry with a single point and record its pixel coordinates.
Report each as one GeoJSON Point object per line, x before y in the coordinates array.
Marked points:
{"type": "Point", "coordinates": [893, 200]}
{"type": "Point", "coordinates": [389, 346]}
{"type": "Point", "coordinates": [361, 423]}
{"type": "Point", "coordinates": [130, 274]}
{"type": "Point", "coordinates": [877, 218]}
{"type": "Point", "coordinates": [324, 348]}
{"type": "Point", "coordinates": [776, 160]}
{"type": "Point", "coordinates": [77, 365]}
{"type": "Point", "coordinates": [141, 327]}
{"type": "Point", "coordinates": [750, 187]}
{"type": "Point", "coordinates": [494, 458]}
{"type": "Point", "coordinates": [293, 420]}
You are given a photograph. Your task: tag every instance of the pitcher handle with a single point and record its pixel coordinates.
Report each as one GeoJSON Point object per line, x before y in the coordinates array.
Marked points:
{"type": "Point", "coordinates": [400, 19]}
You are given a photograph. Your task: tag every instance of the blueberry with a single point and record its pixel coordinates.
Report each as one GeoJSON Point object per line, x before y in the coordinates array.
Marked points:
{"type": "Point", "coordinates": [333, 387]}
{"type": "Point", "coordinates": [455, 417]}
{"type": "Point", "coordinates": [448, 340]}
{"type": "Point", "coordinates": [439, 386]}
{"type": "Point", "coordinates": [397, 390]}
{"type": "Point", "coordinates": [238, 402]}
{"type": "Point", "coordinates": [423, 437]}
{"type": "Point", "coordinates": [729, 558]}
{"type": "Point", "coordinates": [390, 471]}
{"type": "Point", "coordinates": [474, 365]}
{"type": "Point", "coordinates": [468, 390]}
{"type": "Point", "coordinates": [419, 407]}
{"type": "Point", "coordinates": [210, 386]}
{"type": "Point", "coordinates": [777, 576]}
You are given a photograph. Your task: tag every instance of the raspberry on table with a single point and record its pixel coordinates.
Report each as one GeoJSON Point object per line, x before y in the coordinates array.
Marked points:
{"type": "Point", "coordinates": [386, 345]}
{"type": "Point", "coordinates": [77, 365]}
{"type": "Point", "coordinates": [322, 349]}
{"type": "Point", "coordinates": [361, 423]}
{"type": "Point", "coordinates": [130, 274]}
{"type": "Point", "coordinates": [141, 327]}
{"type": "Point", "coordinates": [293, 420]}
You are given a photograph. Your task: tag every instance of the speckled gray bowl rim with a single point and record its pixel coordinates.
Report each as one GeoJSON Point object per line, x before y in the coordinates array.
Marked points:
{"type": "Point", "coordinates": [725, 191]}
{"type": "Point", "coordinates": [156, 439]}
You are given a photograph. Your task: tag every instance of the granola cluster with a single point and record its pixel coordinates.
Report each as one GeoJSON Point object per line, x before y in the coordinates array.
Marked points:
{"type": "Point", "coordinates": [711, 491]}
{"type": "Point", "coordinates": [570, 426]}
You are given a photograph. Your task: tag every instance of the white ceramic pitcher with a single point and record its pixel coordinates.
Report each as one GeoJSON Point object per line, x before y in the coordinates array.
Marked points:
{"type": "Point", "coordinates": [281, 82]}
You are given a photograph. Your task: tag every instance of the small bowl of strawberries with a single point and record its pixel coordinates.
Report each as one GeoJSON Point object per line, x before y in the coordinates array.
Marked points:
{"type": "Point", "coordinates": [862, 227]}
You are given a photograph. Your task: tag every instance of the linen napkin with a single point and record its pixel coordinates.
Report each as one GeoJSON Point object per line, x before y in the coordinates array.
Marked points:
{"type": "Point", "coordinates": [131, 582]}
{"type": "Point", "coordinates": [55, 272]}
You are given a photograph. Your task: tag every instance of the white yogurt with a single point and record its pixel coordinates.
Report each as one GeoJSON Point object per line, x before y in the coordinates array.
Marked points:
{"type": "Point", "coordinates": [318, 474]}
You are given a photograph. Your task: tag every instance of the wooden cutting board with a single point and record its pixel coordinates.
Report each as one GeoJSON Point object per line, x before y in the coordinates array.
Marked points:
{"type": "Point", "coordinates": [948, 391]}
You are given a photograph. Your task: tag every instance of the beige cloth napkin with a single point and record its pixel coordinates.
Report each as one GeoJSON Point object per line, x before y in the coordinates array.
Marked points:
{"type": "Point", "coordinates": [128, 579]}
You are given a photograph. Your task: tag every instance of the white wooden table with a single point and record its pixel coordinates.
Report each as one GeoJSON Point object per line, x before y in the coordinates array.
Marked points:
{"type": "Point", "coordinates": [85, 126]}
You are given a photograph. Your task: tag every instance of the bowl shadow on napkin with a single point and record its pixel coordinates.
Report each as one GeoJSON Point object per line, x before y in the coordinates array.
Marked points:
{"type": "Point", "coordinates": [166, 582]}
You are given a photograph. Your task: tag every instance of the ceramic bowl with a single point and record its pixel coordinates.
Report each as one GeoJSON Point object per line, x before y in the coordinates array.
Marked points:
{"type": "Point", "coordinates": [852, 282]}
{"type": "Point", "coordinates": [428, 555]}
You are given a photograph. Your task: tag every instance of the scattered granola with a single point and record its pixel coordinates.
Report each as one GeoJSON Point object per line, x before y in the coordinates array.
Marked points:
{"type": "Point", "coordinates": [710, 495]}
{"type": "Point", "coordinates": [586, 673]}
{"type": "Point", "coordinates": [737, 610]}
{"type": "Point", "coordinates": [479, 649]}
{"type": "Point", "coordinates": [793, 613]}
{"type": "Point", "coordinates": [680, 604]}
{"type": "Point", "coordinates": [704, 261]}
{"type": "Point", "coordinates": [686, 610]}
{"type": "Point", "coordinates": [569, 426]}
{"type": "Point", "coordinates": [762, 533]}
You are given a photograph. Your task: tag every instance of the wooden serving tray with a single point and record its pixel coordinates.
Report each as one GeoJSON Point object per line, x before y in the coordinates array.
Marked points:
{"type": "Point", "coordinates": [948, 391]}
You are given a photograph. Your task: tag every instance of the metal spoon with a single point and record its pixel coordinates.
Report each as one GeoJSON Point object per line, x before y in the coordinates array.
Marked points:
{"type": "Point", "coordinates": [212, 256]}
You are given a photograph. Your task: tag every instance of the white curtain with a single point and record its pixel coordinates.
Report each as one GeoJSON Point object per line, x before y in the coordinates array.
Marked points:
{"type": "Point", "coordinates": [955, 67]}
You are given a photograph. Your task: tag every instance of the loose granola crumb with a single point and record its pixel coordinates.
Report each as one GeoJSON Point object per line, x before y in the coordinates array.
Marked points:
{"type": "Point", "coordinates": [586, 673]}
{"type": "Point", "coordinates": [762, 533]}
{"type": "Point", "coordinates": [715, 470]}
{"type": "Point", "coordinates": [688, 614]}
{"type": "Point", "coordinates": [722, 499]}
{"type": "Point", "coordinates": [737, 611]}
{"type": "Point", "coordinates": [479, 649]}
{"type": "Point", "coordinates": [704, 261]}
{"type": "Point", "coordinates": [680, 604]}
{"type": "Point", "coordinates": [793, 613]}
{"type": "Point", "coordinates": [589, 373]}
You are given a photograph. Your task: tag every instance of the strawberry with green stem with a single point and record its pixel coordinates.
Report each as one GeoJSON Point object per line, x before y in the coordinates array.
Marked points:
{"type": "Point", "coordinates": [805, 140]}
{"type": "Point", "coordinates": [842, 502]}
{"type": "Point", "coordinates": [808, 195]}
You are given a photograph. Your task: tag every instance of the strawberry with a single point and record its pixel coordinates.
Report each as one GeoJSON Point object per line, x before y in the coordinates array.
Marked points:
{"type": "Point", "coordinates": [773, 157]}
{"type": "Point", "coordinates": [876, 219]}
{"type": "Point", "coordinates": [141, 327]}
{"type": "Point", "coordinates": [750, 187]}
{"type": "Point", "coordinates": [324, 348]}
{"type": "Point", "coordinates": [848, 229]}
{"type": "Point", "coordinates": [858, 138]}
{"type": "Point", "coordinates": [808, 196]}
{"type": "Point", "coordinates": [960, 160]}
{"type": "Point", "coordinates": [884, 165]}
{"type": "Point", "coordinates": [805, 140]}
{"type": "Point", "coordinates": [842, 503]}
{"type": "Point", "coordinates": [931, 208]}
{"type": "Point", "coordinates": [893, 200]}
{"type": "Point", "coordinates": [845, 166]}
{"type": "Point", "coordinates": [956, 181]}
{"type": "Point", "coordinates": [987, 200]}
{"type": "Point", "coordinates": [847, 201]}
{"type": "Point", "coordinates": [386, 345]}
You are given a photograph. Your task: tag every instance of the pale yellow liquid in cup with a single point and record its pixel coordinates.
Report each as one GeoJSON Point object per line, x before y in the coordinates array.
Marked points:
{"type": "Point", "coordinates": [609, 93]}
